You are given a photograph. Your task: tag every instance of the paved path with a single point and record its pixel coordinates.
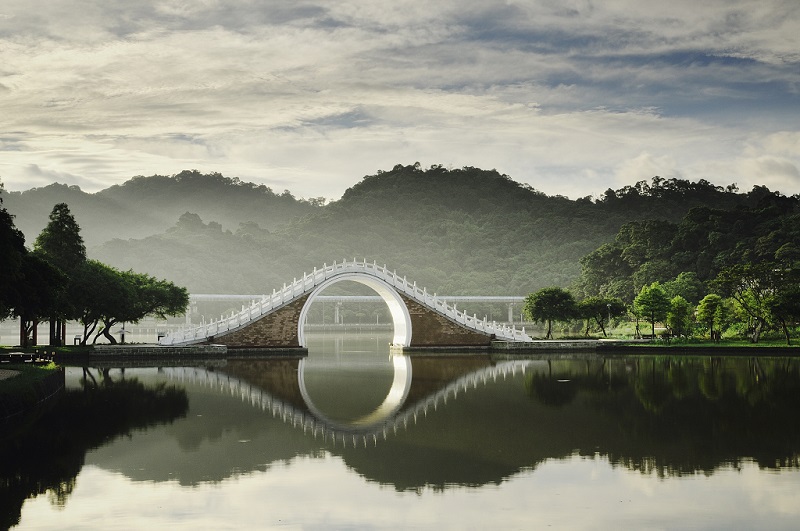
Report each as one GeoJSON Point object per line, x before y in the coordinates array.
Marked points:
{"type": "Point", "coordinates": [5, 373]}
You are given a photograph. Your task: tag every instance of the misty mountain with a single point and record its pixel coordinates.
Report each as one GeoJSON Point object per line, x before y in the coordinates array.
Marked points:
{"type": "Point", "coordinates": [144, 206]}
{"type": "Point", "coordinates": [455, 231]}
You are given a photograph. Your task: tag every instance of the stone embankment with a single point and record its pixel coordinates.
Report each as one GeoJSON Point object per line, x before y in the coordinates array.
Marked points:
{"type": "Point", "coordinates": [157, 351]}
{"type": "Point", "coordinates": [147, 354]}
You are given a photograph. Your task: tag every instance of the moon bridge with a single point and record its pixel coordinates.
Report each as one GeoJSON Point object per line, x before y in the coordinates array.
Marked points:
{"type": "Point", "coordinates": [420, 319]}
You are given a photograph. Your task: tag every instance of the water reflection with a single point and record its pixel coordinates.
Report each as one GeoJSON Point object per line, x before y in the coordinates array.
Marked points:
{"type": "Point", "coordinates": [44, 452]}
{"type": "Point", "coordinates": [410, 422]}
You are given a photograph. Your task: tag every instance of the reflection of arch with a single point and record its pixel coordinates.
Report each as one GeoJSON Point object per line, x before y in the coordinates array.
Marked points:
{"type": "Point", "coordinates": [383, 424]}
{"type": "Point", "coordinates": [398, 309]}
{"type": "Point", "coordinates": [395, 398]}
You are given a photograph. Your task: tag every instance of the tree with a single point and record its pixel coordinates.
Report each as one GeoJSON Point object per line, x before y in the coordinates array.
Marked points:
{"type": "Point", "coordinates": [763, 290]}
{"type": "Point", "coordinates": [37, 295]}
{"type": "Point", "coordinates": [61, 244]}
{"type": "Point", "coordinates": [600, 268]}
{"type": "Point", "coordinates": [12, 253]}
{"type": "Point", "coordinates": [600, 309]}
{"type": "Point", "coordinates": [687, 285]}
{"type": "Point", "coordinates": [710, 311]}
{"type": "Point", "coordinates": [107, 297]}
{"type": "Point", "coordinates": [652, 304]}
{"type": "Point", "coordinates": [94, 291]}
{"type": "Point", "coordinates": [679, 317]}
{"type": "Point", "coordinates": [785, 308]}
{"type": "Point", "coordinates": [548, 305]}
{"type": "Point", "coordinates": [150, 296]}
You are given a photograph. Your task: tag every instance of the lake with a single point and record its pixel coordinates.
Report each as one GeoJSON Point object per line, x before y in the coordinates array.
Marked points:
{"type": "Point", "coordinates": [358, 437]}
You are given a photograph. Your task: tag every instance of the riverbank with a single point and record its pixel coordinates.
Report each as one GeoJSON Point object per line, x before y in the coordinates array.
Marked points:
{"type": "Point", "coordinates": [82, 355]}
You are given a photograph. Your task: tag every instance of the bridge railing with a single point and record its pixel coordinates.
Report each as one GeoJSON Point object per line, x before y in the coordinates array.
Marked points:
{"type": "Point", "coordinates": [309, 281]}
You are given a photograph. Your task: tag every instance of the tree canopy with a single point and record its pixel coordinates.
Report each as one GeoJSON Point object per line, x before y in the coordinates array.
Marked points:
{"type": "Point", "coordinates": [652, 305]}
{"type": "Point", "coordinates": [548, 305]}
{"type": "Point", "coordinates": [106, 297]}
{"type": "Point", "coordinates": [60, 242]}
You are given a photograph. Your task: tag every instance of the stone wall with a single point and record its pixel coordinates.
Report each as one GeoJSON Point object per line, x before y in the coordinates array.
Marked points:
{"type": "Point", "coordinates": [279, 329]}
{"type": "Point", "coordinates": [432, 329]}
{"type": "Point", "coordinates": [274, 330]}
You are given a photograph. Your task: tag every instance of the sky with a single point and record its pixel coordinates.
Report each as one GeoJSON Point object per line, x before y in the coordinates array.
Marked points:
{"type": "Point", "coordinates": [570, 96]}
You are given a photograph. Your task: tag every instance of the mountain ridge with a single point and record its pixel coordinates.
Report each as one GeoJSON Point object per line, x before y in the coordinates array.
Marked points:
{"type": "Point", "coordinates": [456, 231]}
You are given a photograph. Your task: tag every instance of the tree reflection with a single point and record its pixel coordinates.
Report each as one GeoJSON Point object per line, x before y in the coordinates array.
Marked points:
{"type": "Point", "coordinates": [44, 451]}
{"type": "Point", "coordinates": [551, 391]}
{"type": "Point", "coordinates": [676, 416]}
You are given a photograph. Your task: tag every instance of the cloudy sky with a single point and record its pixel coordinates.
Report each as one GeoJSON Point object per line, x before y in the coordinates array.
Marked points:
{"type": "Point", "coordinates": [570, 96]}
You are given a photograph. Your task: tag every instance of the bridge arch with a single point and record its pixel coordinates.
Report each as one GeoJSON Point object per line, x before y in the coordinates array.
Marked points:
{"type": "Point", "coordinates": [395, 397]}
{"type": "Point", "coordinates": [401, 318]}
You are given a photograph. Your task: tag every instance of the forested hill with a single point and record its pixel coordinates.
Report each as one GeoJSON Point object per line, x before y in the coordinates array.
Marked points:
{"type": "Point", "coordinates": [455, 231]}
{"type": "Point", "coordinates": [144, 206]}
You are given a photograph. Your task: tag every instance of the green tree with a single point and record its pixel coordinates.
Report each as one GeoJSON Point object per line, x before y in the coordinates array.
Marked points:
{"type": "Point", "coordinates": [95, 289]}
{"type": "Point", "coordinates": [679, 317]}
{"type": "Point", "coordinates": [652, 304]}
{"type": "Point", "coordinates": [150, 296]}
{"type": "Point", "coordinates": [687, 285]}
{"type": "Point", "coordinates": [60, 243]}
{"type": "Point", "coordinates": [600, 310]}
{"type": "Point", "coordinates": [548, 305]}
{"type": "Point", "coordinates": [765, 291]}
{"type": "Point", "coordinates": [38, 294]}
{"type": "Point", "coordinates": [601, 268]}
{"type": "Point", "coordinates": [785, 309]}
{"type": "Point", "coordinates": [711, 311]}
{"type": "Point", "coordinates": [107, 297]}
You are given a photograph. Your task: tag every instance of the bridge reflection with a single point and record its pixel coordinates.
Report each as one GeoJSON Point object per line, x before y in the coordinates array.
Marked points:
{"type": "Point", "coordinates": [420, 385]}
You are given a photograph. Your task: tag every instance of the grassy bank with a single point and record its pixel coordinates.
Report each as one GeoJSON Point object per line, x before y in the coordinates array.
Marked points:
{"type": "Point", "coordinates": [30, 386]}
{"type": "Point", "coordinates": [27, 377]}
{"type": "Point", "coordinates": [79, 349]}
{"type": "Point", "coordinates": [724, 343]}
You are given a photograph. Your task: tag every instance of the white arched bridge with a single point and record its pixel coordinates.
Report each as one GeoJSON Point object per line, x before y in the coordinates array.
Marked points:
{"type": "Point", "coordinates": [420, 319]}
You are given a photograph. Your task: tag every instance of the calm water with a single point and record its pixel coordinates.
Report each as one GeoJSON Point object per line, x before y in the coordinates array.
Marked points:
{"type": "Point", "coordinates": [355, 438]}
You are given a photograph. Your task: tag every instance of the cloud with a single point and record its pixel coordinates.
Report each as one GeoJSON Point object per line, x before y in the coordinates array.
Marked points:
{"type": "Point", "coordinates": [569, 96]}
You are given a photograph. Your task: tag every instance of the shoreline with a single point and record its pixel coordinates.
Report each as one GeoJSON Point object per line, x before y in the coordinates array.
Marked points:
{"type": "Point", "coordinates": [605, 347]}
